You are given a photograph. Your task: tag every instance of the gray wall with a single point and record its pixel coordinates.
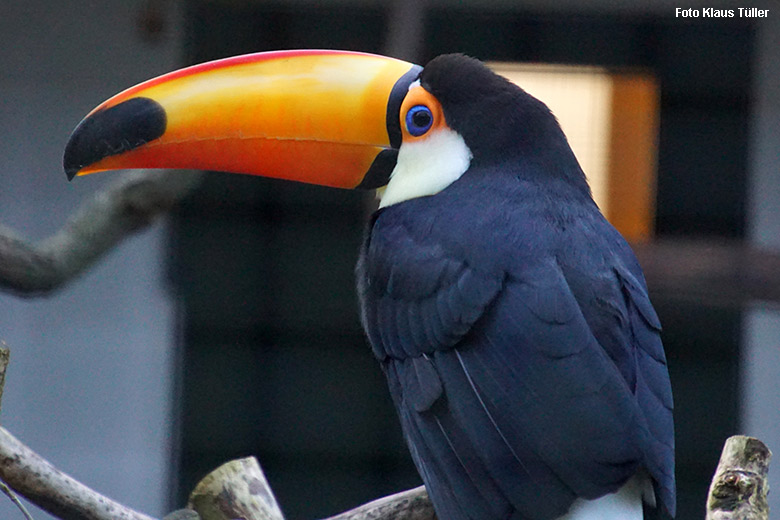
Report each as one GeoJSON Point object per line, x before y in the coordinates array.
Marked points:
{"type": "Point", "coordinates": [90, 382]}
{"type": "Point", "coordinates": [761, 355]}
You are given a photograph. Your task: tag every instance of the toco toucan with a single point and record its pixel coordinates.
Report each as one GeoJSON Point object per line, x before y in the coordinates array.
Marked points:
{"type": "Point", "coordinates": [510, 318]}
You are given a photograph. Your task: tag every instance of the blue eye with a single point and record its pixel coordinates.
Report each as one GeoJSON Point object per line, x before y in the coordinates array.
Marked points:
{"type": "Point", "coordinates": [419, 120]}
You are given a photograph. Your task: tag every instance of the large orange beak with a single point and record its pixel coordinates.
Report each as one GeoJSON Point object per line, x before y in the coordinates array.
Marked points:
{"type": "Point", "coordinates": [323, 117]}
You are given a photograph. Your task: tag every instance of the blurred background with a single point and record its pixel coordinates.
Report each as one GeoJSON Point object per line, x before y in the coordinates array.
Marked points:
{"type": "Point", "coordinates": [231, 328]}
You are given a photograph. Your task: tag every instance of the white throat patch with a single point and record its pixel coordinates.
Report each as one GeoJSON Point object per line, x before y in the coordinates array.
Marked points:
{"type": "Point", "coordinates": [427, 166]}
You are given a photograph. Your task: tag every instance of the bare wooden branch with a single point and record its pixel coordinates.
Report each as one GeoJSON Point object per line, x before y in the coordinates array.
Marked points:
{"type": "Point", "coordinates": [413, 504]}
{"type": "Point", "coordinates": [129, 205]}
{"type": "Point", "coordinates": [31, 476]}
{"type": "Point", "coordinates": [5, 357]}
{"type": "Point", "coordinates": [740, 485]}
{"type": "Point", "coordinates": [236, 489]}
{"type": "Point", "coordinates": [239, 489]}
{"type": "Point", "coordinates": [7, 491]}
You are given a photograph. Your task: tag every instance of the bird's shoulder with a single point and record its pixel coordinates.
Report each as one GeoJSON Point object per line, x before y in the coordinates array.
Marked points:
{"type": "Point", "coordinates": [418, 293]}
{"type": "Point", "coordinates": [430, 269]}
{"type": "Point", "coordinates": [500, 233]}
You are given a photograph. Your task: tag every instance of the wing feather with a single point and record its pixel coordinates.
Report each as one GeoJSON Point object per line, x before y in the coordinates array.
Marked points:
{"type": "Point", "coordinates": [518, 390]}
{"type": "Point", "coordinates": [460, 489]}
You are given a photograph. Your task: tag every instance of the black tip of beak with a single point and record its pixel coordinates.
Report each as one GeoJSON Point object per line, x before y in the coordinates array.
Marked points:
{"type": "Point", "coordinates": [113, 131]}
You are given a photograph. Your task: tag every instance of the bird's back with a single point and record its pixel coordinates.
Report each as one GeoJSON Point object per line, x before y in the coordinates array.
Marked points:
{"type": "Point", "coordinates": [521, 350]}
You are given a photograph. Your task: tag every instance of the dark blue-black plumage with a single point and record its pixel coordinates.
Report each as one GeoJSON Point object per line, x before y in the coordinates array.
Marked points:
{"type": "Point", "coordinates": [512, 321]}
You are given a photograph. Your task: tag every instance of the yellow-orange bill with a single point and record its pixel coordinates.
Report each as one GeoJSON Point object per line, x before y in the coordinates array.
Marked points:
{"type": "Point", "coordinates": [323, 117]}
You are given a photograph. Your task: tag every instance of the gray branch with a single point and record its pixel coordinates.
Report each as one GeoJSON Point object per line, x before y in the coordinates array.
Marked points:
{"type": "Point", "coordinates": [126, 206]}
{"type": "Point", "coordinates": [740, 485]}
{"type": "Point", "coordinates": [30, 475]}
{"type": "Point", "coordinates": [236, 489]}
{"type": "Point", "coordinates": [239, 489]}
{"type": "Point", "coordinates": [413, 504]}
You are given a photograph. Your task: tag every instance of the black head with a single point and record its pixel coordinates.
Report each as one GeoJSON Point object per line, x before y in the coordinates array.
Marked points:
{"type": "Point", "coordinates": [498, 120]}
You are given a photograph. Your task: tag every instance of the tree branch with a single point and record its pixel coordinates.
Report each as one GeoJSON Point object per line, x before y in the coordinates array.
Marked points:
{"type": "Point", "coordinates": [7, 491]}
{"type": "Point", "coordinates": [239, 489]}
{"type": "Point", "coordinates": [129, 205]}
{"type": "Point", "coordinates": [236, 489]}
{"type": "Point", "coordinates": [32, 476]}
{"type": "Point", "coordinates": [739, 487]}
{"type": "Point", "coordinates": [413, 504]}
{"type": "Point", "coordinates": [5, 358]}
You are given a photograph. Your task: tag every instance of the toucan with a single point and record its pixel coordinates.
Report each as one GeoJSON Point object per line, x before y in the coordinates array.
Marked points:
{"type": "Point", "coordinates": [511, 320]}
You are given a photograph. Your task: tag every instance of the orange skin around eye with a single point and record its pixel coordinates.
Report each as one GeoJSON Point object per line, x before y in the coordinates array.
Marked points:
{"type": "Point", "coordinates": [419, 96]}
